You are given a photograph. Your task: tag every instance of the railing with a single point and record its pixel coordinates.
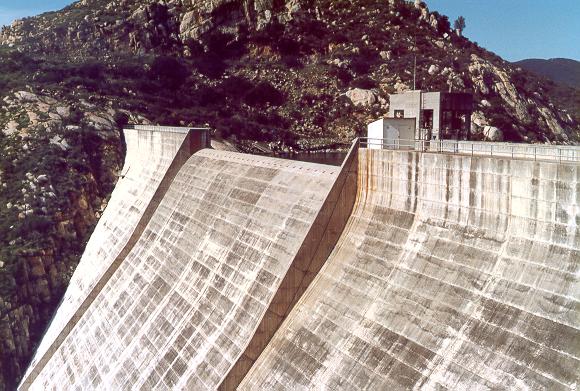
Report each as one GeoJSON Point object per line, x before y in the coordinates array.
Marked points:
{"type": "Point", "coordinates": [173, 129]}
{"type": "Point", "coordinates": [560, 153]}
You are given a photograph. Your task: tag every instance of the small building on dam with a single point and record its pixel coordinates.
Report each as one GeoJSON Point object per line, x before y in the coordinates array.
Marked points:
{"type": "Point", "coordinates": [438, 115]}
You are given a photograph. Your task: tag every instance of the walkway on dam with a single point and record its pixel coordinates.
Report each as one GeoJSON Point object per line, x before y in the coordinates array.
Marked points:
{"type": "Point", "coordinates": [398, 270]}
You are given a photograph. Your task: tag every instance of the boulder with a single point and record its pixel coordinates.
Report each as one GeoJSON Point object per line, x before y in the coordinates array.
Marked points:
{"type": "Point", "coordinates": [433, 69]}
{"type": "Point", "coordinates": [433, 22]}
{"type": "Point", "coordinates": [10, 128]}
{"type": "Point", "coordinates": [63, 111]}
{"type": "Point", "coordinates": [401, 87]}
{"type": "Point", "coordinates": [43, 178]}
{"type": "Point", "coordinates": [25, 96]}
{"type": "Point", "coordinates": [99, 122]}
{"type": "Point", "coordinates": [188, 26]}
{"type": "Point", "coordinates": [386, 54]}
{"type": "Point", "coordinates": [360, 97]}
{"type": "Point", "coordinates": [492, 133]}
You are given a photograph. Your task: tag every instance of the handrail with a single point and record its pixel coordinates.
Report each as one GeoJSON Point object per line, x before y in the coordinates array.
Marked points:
{"type": "Point", "coordinates": [559, 153]}
{"type": "Point", "coordinates": [169, 129]}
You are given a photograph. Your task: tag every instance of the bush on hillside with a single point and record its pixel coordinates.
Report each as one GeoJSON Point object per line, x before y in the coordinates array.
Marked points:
{"type": "Point", "coordinates": [169, 72]}
{"type": "Point", "coordinates": [364, 82]}
{"type": "Point", "coordinates": [264, 93]}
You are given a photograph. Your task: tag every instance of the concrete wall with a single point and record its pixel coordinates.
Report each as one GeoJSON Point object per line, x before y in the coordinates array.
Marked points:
{"type": "Point", "coordinates": [154, 155]}
{"type": "Point", "coordinates": [211, 264]}
{"type": "Point", "coordinates": [453, 273]}
{"type": "Point", "coordinates": [391, 133]}
{"type": "Point", "coordinates": [375, 130]}
{"type": "Point", "coordinates": [558, 153]}
{"type": "Point", "coordinates": [410, 102]}
{"type": "Point", "coordinates": [432, 101]}
{"type": "Point", "coordinates": [319, 243]}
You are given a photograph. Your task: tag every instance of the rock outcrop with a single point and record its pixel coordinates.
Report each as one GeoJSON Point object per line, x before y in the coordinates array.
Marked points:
{"type": "Point", "coordinates": [360, 97]}
{"type": "Point", "coordinates": [55, 188]}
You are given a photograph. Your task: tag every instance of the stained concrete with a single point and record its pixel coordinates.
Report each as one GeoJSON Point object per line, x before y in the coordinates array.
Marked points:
{"type": "Point", "coordinates": [187, 300]}
{"type": "Point", "coordinates": [438, 271]}
{"type": "Point", "coordinates": [154, 155]}
{"type": "Point", "coordinates": [317, 246]}
{"type": "Point", "coordinates": [454, 272]}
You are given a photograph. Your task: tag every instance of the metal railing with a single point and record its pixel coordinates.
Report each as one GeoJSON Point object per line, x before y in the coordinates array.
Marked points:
{"type": "Point", "coordinates": [170, 129]}
{"type": "Point", "coordinates": [559, 153]}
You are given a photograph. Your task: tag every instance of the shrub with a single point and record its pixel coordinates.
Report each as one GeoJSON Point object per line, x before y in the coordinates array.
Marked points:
{"type": "Point", "coordinates": [264, 93]}
{"type": "Point", "coordinates": [292, 62]}
{"type": "Point", "coordinates": [209, 96]}
{"type": "Point", "coordinates": [210, 65]}
{"type": "Point", "coordinates": [364, 82]}
{"type": "Point", "coordinates": [235, 86]}
{"type": "Point", "coordinates": [343, 75]}
{"type": "Point", "coordinates": [365, 60]}
{"type": "Point", "coordinates": [90, 70]}
{"type": "Point", "coordinates": [288, 47]}
{"type": "Point", "coordinates": [443, 24]}
{"type": "Point", "coordinates": [169, 71]}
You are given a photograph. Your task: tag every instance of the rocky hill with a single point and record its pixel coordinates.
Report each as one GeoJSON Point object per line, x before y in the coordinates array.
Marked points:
{"type": "Point", "coordinates": [266, 75]}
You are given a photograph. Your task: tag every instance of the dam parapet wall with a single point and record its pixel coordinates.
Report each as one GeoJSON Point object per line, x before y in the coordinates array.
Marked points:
{"type": "Point", "coordinates": [558, 153]}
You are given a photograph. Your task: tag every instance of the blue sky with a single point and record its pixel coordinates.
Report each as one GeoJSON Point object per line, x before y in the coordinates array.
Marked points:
{"type": "Point", "coordinates": [518, 29]}
{"type": "Point", "coordinates": [15, 9]}
{"type": "Point", "coordinates": [514, 29]}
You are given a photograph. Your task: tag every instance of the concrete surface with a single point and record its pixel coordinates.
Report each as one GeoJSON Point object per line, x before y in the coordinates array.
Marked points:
{"type": "Point", "coordinates": [154, 155]}
{"type": "Point", "coordinates": [315, 250]}
{"type": "Point", "coordinates": [398, 270]}
{"type": "Point", "coordinates": [454, 272]}
{"type": "Point", "coordinates": [184, 304]}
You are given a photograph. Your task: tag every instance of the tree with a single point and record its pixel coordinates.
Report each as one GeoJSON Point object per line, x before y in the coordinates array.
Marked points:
{"type": "Point", "coordinates": [459, 25]}
{"type": "Point", "coordinates": [169, 71]}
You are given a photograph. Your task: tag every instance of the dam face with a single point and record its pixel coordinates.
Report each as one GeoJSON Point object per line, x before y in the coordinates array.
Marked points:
{"type": "Point", "coordinates": [187, 300]}
{"type": "Point", "coordinates": [398, 270]}
{"type": "Point", "coordinates": [453, 272]}
{"type": "Point", "coordinates": [154, 156]}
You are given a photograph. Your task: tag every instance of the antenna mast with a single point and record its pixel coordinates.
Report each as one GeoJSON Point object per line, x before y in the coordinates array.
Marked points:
{"type": "Point", "coordinates": [415, 61]}
{"type": "Point", "coordinates": [415, 73]}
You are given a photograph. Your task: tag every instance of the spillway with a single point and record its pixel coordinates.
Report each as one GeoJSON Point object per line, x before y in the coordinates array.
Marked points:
{"type": "Point", "coordinates": [398, 270]}
{"type": "Point", "coordinates": [230, 244]}
{"type": "Point", "coordinates": [154, 156]}
{"type": "Point", "coordinates": [453, 272]}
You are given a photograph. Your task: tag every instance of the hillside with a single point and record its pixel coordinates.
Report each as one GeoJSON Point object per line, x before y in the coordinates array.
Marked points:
{"type": "Point", "coordinates": [265, 75]}
{"type": "Point", "coordinates": [561, 70]}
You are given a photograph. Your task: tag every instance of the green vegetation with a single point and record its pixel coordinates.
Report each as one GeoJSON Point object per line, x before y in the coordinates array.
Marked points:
{"type": "Point", "coordinates": [459, 24]}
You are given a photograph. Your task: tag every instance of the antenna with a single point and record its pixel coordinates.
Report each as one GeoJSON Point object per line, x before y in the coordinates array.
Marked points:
{"type": "Point", "coordinates": [415, 61]}
{"type": "Point", "coordinates": [415, 73]}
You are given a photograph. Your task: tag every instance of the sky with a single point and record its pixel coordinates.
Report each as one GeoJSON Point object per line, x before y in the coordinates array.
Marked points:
{"type": "Point", "coordinates": [16, 9]}
{"type": "Point", "coordinates": [519, 29]}
{"type": "Point", "coordinates": [514, 29]}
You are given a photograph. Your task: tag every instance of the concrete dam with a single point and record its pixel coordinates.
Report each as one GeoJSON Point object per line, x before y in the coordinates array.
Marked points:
{"type": "Point", "coordinates": [400, 269]}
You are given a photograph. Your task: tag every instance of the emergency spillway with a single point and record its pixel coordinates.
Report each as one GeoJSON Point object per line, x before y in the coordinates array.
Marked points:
{"type": "Point", "coordinates": [184, 304]}
{"type": "Point", "coordinates": [454, 272]}
{"type": "Point", "coordinates": [154, 156]}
